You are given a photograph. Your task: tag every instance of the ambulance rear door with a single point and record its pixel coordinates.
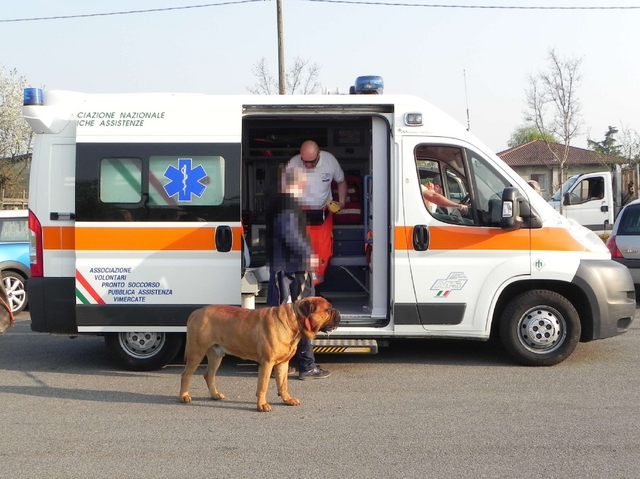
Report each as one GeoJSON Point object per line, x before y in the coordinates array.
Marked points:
{"type": "Point", "coordinates": [157, 233]}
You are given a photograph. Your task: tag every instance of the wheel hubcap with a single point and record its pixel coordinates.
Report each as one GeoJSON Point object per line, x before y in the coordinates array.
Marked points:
{"type": "Point", "coordinates": [542, 329]}
{"type": "Point", "coordinates": [15, 293]}
{"type": "Point", "coordinates": [141, 344]}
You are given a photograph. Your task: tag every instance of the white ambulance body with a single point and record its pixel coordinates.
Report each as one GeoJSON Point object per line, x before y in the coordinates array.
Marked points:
{"type": "Point", "coordinates": [138, 203]}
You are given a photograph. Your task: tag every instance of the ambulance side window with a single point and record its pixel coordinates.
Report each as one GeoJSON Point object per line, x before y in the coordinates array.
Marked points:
{"type": "Point", "coordinates": [488, 185]}
{"type": "Point", "coordinates": [206, 187]}
{"type": "Point", "coordinates": [441, 170]}
{"type": "Point", "coordinates": [121, 180]}
{"type": "Point", "coordinates": [157, 182]}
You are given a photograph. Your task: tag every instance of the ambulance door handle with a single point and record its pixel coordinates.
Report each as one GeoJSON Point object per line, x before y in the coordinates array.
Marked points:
{"type": "Point", "coordinates": [420, 237]}
{"type": "Point", "coordinates": [55, 216]}
{"type": "Point", "coordinates": [224, 238]}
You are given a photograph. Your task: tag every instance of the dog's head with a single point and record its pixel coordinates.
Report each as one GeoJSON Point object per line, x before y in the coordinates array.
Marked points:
{"type": "Point", "coordinates": [316, 314]}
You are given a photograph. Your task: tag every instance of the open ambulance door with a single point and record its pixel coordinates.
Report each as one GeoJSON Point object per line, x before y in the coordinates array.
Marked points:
{"type": "Point", "coordinates": [157, 235]}
{"type": "Point", "coordinates": [457, 260]}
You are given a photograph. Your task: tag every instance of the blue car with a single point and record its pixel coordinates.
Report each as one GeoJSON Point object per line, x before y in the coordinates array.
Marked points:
{"type": "Point", "coordinates": [14, 256]}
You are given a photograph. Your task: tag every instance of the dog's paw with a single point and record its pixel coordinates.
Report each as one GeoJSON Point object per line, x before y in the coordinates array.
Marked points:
{"type": "Point", "coordinates": [217, 396]}
{"type": "Point", "coordinates": [266, 407]}
{"type": "Point", "coordinates": [186, 397]}
{"type": "Point", "coordinates": [292, 402]}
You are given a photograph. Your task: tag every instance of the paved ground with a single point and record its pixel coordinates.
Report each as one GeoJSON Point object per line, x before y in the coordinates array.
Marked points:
{"type": "Point", "coordinates": [419, 409]}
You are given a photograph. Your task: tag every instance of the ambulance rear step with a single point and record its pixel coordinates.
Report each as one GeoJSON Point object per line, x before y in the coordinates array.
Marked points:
{"type": "Point", "coordinates": [345, 346]}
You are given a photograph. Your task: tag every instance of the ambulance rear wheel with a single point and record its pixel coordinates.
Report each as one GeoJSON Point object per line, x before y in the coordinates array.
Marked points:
{"type": "Point", "coordinates": [540, 328]}
{"type": "Point", "coordinates": [143, 351]}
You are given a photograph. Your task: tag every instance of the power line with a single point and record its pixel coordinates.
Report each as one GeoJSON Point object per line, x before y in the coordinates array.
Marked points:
{"type": "Point", "coordinates": [351, 2]}
{"type": "Point", "coordinates": [495, 7]}
{"type": "Point", "coordinates": [128, 12]}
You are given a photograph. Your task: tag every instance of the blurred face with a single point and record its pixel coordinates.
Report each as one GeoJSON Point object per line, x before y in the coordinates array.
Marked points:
{"type": "Point", "coordinates": [296, 188]}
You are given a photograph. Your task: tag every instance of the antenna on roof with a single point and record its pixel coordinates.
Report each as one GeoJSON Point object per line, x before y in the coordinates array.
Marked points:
{"type": "Point", "coordinates": [464, 74]}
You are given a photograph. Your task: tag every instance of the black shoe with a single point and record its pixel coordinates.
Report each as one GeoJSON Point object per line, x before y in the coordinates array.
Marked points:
{"type": "Point", "coordinates": [290, 372]}
{"type": "Point", "coordinates": [315, 373]}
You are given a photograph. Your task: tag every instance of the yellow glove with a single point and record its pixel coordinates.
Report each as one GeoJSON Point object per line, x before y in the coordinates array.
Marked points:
{"type": "Point", "coordinates": [333, 206]}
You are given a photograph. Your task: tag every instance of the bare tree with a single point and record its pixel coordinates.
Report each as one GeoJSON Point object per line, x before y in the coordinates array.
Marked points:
{"type": "Point", "coordinates": [16, 135]}
{"type": "Point", "coordinates": [629, 145]}
{"type": "Point", "coordinates": [265, 83]}
{"type": "Point", "coordinates": [553, 104]}
{"type": "Point", "coordinates": [302, 78]}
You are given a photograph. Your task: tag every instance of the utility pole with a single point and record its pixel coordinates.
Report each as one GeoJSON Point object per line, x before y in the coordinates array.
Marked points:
{"type": "Point", "coordinates": [282, 78]}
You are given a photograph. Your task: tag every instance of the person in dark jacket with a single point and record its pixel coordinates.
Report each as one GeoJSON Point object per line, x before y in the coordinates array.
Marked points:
{"type": "Point", "coordinates": [291, 259]}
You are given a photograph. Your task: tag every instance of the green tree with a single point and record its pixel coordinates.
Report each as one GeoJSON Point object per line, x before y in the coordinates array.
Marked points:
{"type": "Point", "coordinates": [608, 145]}
{"type": "Point", "coordinates": [526, 133]}
{"type": "Point", "coordinates": [16, 135]}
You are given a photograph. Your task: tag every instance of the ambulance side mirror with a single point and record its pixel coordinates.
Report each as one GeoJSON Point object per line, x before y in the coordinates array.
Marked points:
{"type": "Point", "coordinates": [510, 219]}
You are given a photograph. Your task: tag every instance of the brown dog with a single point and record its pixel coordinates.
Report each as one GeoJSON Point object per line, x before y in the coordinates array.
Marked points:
{"type": "Point", "coordinates": [269, 336]}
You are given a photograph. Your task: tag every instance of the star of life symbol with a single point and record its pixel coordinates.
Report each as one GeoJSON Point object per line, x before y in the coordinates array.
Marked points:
{"type": "Point", "coordinates": [453, 282]}
{"type": "Point", "coordinates": [185, 180]}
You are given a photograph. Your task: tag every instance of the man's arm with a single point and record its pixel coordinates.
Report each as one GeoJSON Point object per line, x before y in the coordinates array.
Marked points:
{"type": "Point", "coordinates": [440, 200]}
{"type": "Point", "coordinates": [342, 193]}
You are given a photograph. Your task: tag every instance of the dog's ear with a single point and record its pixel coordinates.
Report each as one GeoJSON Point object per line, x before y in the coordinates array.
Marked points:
{"type": "Point", "coordinates": [307, 306]}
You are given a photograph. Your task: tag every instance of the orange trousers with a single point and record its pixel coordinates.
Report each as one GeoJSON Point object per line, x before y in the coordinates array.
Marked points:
{"type": "Point", "coordinates": [321, 238]}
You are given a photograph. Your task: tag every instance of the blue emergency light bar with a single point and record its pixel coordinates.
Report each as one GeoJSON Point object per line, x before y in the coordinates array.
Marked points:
{"type": "Point", "coordinates": [33, 96]}
{"type": "Point", "coordinates": [368, 84]}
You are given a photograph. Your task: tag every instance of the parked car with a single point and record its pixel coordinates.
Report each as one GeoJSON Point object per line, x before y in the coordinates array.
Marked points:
{"type": "Point", "coordinates": [624, 242]}
{"type": "Point", "coordinates": [14, 256]}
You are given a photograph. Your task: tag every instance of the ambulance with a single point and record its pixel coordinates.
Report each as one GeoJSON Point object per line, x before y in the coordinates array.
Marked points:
{"type": "Point", "coordinates": [146, 206]}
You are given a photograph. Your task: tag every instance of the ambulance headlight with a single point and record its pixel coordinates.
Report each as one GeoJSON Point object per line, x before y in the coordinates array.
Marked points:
{"type": "Point", "coordinates": [413, 119]}
{"type": "Point", "coordinates": [33, 96]}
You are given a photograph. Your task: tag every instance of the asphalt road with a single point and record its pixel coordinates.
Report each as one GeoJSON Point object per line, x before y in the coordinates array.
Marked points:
{"type": "Point", "coordinates": [419, 409]}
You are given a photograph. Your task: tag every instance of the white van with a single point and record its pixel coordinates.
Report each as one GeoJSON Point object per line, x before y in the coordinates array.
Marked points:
{"type": "Point", "coordinates": [139, 202]}
{"type": "Point", "coordinates": [588, 199]}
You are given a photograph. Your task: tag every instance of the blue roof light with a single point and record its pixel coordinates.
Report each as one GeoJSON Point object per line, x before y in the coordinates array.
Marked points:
{"type": "Point", "coordinates": [368, 84]}
{"type": "Point", "coordinates": [33, 96]}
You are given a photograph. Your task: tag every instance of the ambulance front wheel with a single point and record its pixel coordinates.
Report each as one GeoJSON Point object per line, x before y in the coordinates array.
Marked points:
{"type": "Point", "coordinates": [144, 351]}
{"type": "Point", "coordinates": [540, 328]}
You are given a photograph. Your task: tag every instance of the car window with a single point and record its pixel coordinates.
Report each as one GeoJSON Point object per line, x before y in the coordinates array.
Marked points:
{"type": "Point", "coordinates": [13, 230]}
{"type": "Point", "coordinates": [630, 221]}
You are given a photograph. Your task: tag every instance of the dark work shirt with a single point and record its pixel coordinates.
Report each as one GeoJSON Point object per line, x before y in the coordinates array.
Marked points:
{"type": "Point", "coordinates": [288, 247]}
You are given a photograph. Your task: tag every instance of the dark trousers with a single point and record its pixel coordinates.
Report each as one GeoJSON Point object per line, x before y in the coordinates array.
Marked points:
{"type": "Point", "coordinates": [283, 287]}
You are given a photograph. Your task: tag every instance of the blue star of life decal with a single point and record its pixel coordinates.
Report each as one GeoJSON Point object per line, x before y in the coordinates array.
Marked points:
{"type": "Point", "coordinates": [185, 180]}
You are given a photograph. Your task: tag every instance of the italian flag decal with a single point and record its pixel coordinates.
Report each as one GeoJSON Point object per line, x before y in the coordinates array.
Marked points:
{"type": "Point", "coordinates": [85, 294]}
{"type": "Point", "coordinates": [443, 294]}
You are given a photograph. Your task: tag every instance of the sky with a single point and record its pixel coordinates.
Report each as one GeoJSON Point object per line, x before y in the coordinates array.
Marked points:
{"type": "Point", "coordinates": [460, 59]}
